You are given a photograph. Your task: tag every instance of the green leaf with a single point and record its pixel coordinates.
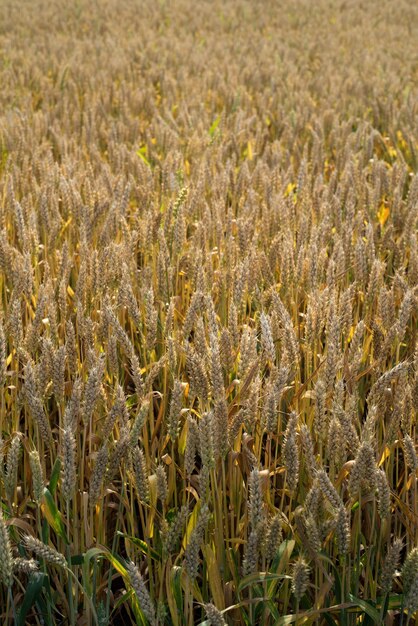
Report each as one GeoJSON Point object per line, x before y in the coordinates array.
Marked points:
{"type": "Point", "coordinates": [291, 619]}
{"type": "Point", "coordinates": [88, 556]}
{"type": "Point", "coordinates": [132, 400]}
{"type": "Point", "coordinates": [395, 601]}
{"type": "Point", "coordinates": [272, 608]}
{"type": "Point", "coordinates": [175, 580]}
{"type": "Point", "coordinates": [214, 126]}
{"type": "Point", "coordinates": [141, 153]}
{"type": "Point", "coordinates": [33, 590]}
{"type": "Point", "coordinates": [142, 545]}
{"type": "Point", "coordinates": [77, 559]}
{"type": "Point", "coordinates": [368, 608]}
{"type": "Point", "coordinates": [52, 515]}
{"type": "Point", "coordinates": [119, 565]}
{"type": "Point", "coordinates": [259, 577]}
{"type": "Point", "coordinates": [283, 555]}
{"type": "Point", "coordinates": [55, 474]}
{"type": "Point", "coordinates": [337, 579]}
{"type": "Point", "coordinates": [126, 597]}
{"type": "Point", "coordinates": [234, 564]}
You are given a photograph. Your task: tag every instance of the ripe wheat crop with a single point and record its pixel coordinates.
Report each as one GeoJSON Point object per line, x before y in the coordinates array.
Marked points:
{"type": "Point", "coordinates": [208, 316]}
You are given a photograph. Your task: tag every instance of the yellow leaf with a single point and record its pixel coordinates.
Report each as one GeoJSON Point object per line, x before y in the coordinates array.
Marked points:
{"type": "Point", "coordinates": [67, 223]}
{"type": "Point", "coordinates": [287, 553]}
{"type": "Point", "coordinates": [385, 455]}
{"type": "Point", "coordinates": [191, 524]}
{"type": "Point", "coordinates": [141, 153]}
{"type": "Point", "coordinates": [367, 345]}
{"type": "Point", "coordinates": [250, 151]}
{"type": "Point", "coordinates": [153, 491]}
{"type": "Point", "coordinates": [215, 583]}
{"type": "Point", "coordinates": [310, 394]}
{"type": "Point", "coordinates": [183, 438]}
{"type": "Point", "coordinates": [401, 140]}
{"type": "Point", "coordinates": [383, 214]}
{"type": "Point", "coordinates": [291, 187]}
{"type": "Point", "coordinates": [153, 502]}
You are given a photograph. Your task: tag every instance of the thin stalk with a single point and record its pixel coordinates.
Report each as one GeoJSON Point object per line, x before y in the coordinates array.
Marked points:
{"type": "Point", "coordinates": [70, 588]}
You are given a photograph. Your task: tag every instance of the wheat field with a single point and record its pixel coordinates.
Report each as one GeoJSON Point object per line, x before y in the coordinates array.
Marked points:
{"type": "Point", "coordinates": [208, 319]}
